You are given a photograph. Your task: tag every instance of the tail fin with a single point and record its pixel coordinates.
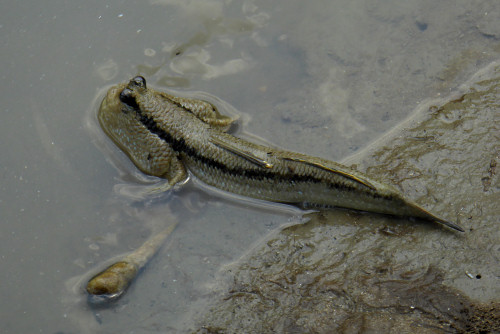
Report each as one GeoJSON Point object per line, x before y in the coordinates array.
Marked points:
{"type": "Point", "coordinates": [422, 213]}
{"type": "Point", "coordinates": [447, 223]}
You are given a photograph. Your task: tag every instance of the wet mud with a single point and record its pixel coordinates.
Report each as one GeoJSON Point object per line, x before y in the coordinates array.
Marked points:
{"type": "Point", "coordinates": [350, 272]}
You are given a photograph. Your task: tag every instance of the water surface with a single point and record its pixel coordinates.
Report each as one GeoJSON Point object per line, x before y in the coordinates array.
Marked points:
{"type": "Point", "coordinates": [324, 77]}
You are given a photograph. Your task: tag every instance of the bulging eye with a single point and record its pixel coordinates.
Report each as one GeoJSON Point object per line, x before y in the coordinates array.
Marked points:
{"type": "Point", "coordinates": [128, 98]}
{"type": "Point", "coordinates": [138, 81]}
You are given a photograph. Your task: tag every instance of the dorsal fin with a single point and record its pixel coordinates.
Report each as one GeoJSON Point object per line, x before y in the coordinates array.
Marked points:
{"type": "Point", "coordinates": [236, 150]}
{"type": "Point", "coordinates": [354, 178]}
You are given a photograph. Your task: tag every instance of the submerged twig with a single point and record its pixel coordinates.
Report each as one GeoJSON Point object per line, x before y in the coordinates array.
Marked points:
{"type": "Point", "coordinates": [110, 283]}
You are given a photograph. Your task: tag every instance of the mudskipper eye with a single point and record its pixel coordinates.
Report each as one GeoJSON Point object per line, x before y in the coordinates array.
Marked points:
{"type": "Point", "coordinates": [128, 98]}
{"type": "Point", "coordinates": [138, 81]}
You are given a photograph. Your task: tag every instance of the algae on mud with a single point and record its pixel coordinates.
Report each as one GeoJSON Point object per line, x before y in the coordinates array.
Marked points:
{"type": "Point", "coordinates": [349, 272]}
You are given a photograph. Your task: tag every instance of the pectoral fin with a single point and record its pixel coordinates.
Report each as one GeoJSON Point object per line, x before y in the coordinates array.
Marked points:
{"type": "Point", "coordinates": [236, 150]}
{"type": "Point", "coordinates": [204, 110]}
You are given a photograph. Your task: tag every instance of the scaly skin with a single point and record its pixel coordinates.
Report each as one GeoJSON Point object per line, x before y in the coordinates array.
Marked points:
{"type": "Point", "coordinates": [166, 135]}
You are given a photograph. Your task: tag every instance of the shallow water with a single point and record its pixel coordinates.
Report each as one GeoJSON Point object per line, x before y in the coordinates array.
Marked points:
{"type": "Point", "coordinates": [352, 272]}
{"type": "Point", "coordinates": [326, 78]}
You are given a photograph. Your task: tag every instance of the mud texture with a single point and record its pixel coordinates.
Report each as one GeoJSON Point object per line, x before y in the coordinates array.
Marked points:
{"type": "Point", "coordinates": [350, 272]}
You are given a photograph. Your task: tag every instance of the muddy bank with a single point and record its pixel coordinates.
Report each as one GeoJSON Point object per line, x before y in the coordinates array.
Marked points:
{"type": "Point", "coordinates": [350, 272]}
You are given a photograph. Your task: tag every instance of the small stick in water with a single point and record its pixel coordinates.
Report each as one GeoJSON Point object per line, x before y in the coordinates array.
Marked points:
{"type": "Point", "coordinates": [110, 283]}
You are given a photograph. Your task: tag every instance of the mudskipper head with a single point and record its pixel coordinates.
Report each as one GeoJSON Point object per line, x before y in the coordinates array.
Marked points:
{"type": "Point", "coordinates": [122, 98]}
{"type": "Point", "coordinates": [122, 116]}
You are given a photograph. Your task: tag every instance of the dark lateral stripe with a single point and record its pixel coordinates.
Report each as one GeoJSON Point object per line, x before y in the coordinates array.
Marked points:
{"type": "Point", "coordinates": [179, 145]}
